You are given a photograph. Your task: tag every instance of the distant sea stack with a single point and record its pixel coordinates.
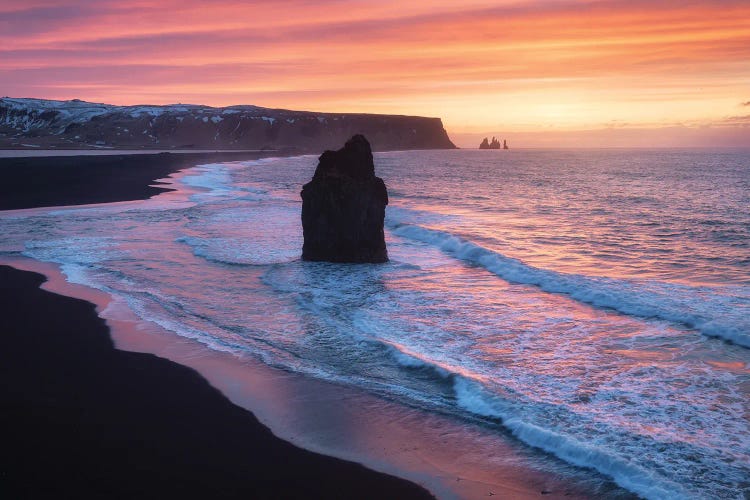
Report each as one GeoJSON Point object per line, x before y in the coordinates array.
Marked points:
{"type": "Point", "coordinates": [343, 207]}
{"type": "Point", "coordinates": [40, 123]}
{"type": "Point", "coordinates": [495, 144]}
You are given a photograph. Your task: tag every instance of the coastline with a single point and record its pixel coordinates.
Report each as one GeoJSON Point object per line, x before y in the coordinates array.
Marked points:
{"type": "Point", "coordinates": [40, 405]}
{"type": "Point", "coordinates": [83, 418]}
{"type": "Point", "coordinates": [49, 181]}
{"type": "Point", "coordinates": [450, 458]}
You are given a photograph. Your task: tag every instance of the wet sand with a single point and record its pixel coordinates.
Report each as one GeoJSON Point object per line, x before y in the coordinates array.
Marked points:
{"type": "Point", "coordinates": [29, 182]}
{"type": "Point", "coordinates": [80, 418]}
{"type": "Point", "coordinates": [450, 458]}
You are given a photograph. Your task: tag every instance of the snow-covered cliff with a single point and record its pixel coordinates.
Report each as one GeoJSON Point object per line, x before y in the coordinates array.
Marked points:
{"type": "Point", "coordinates": [80, 124]}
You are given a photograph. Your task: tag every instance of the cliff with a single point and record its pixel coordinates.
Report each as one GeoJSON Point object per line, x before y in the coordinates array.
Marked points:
{"type": "Point", "coordinates": [75, 124]}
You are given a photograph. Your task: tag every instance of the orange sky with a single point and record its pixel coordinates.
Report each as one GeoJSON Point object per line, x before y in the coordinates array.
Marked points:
{"type": "Point", "coordinates": [591, 72]}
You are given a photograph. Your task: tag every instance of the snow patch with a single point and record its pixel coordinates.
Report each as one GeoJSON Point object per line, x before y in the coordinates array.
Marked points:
{"type": "Point", "coordinates": [154, 111]}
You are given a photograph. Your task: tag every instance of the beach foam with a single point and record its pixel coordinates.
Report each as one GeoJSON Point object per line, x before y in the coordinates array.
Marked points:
{"type": "Point", "coordinates": [624, 387]}
{"type": "Point", "coordinates": [712, 311]}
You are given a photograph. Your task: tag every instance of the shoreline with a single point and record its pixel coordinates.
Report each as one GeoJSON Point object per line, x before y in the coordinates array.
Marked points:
{"type": "Point", "coordinates": [84, 418]}
{"type": "Point", "coordinates": [452, 458]}
{"type": "Point", "coordinates": [449, 458]}
{"type": "Point", "coordinates": [52, 181]}
{"type": "Point", "coordinates": [44, 153]}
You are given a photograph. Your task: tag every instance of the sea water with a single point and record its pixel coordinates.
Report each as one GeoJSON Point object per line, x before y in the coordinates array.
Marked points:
{"type": "Point", "coordinates": [593, 303]}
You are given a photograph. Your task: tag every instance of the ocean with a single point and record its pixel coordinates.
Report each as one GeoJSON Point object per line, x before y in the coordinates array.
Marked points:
{"type": "Point", "coordinates": [594, 305]}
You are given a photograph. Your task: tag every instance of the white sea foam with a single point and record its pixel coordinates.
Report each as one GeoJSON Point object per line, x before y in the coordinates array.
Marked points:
{"type": "Point", "coordinates": [617, 388]}
{"type": "Point", "coordinates": [472, 397]}
{"type": "Point", "coordinates": [214, 179]}
{"type": "Point", "coordinates": [81, 250]}
{"type": "Point", "coordinates": [627, 473]}
{"type": "Point", "coordinates": [239, 252]}
{"type": "Point", "coordinates": [709, 311]}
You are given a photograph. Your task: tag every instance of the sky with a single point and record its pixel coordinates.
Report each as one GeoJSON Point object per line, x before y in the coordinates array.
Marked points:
{"type": "Point", "coordinates": [539, 73]}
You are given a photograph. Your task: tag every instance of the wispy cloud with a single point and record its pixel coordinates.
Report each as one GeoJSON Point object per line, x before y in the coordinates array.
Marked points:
{"type": "Point", "coordinates": [737, 121]}
{"type": "Point", "coordinates": [521, 64]}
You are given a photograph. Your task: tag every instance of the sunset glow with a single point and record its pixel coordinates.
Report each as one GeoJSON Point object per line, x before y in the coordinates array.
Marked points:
{"type": "Point", "coordinates": [520, 68]}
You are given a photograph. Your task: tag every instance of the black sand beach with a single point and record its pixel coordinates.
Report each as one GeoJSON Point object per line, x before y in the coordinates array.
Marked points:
{"type": "Point", "coordinates": [29, 182]}
{"type": "Point", "coordinates": [80, 419]}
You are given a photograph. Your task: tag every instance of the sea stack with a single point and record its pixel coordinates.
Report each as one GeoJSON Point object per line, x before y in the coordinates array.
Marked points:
{"type": "Point", "coordinates": [495, 144]}
{"type": "Point", "coordinates": [343, 207]}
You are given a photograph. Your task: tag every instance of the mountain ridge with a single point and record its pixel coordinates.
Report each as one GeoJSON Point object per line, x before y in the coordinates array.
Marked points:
{"type": "Point", "coordinates": [76, 124]}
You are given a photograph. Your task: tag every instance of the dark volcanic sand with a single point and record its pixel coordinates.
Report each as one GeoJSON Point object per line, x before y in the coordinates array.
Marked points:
{"type": "Point", "coordinates": [79, 418]}
{"type": "Point", "coordinates": [29, 182]}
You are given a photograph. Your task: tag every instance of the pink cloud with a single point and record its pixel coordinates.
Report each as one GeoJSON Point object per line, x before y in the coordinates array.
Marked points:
{"type": "Point", "coordinates": [427, 58]}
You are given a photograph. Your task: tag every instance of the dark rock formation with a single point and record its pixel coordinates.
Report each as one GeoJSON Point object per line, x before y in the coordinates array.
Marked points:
{"type": "Point", "coordinates": [343, 207]}
{"type": "Point", "coordinates": [495, 144]}
{"type": "Point", "coordinates": [83, 125]}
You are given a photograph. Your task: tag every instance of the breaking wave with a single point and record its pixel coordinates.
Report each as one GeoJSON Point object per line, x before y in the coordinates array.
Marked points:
{"type": "Point", "coordinates": [711, 311]}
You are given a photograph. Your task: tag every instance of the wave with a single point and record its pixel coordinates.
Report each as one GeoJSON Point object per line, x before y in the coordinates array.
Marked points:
{"type": "Point", "coordinates": [237, 252]}
{"type": "Point", "coordinates": [471, 397]}
{"type": "Point", "coordinates": [623, 471]}
{"type": "Point", "coordinates": [212, 180]}
{"type": "Point", "coordinates": [214, 183]}
{"type": "Point", "coordinates": [713, 312]}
